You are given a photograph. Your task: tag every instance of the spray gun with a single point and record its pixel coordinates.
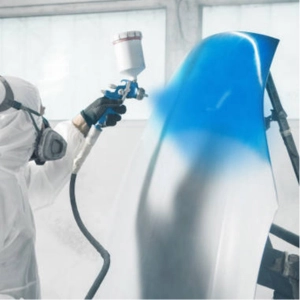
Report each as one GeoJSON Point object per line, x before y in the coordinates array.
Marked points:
{"type": "Point", "coordinates": [130, 60]}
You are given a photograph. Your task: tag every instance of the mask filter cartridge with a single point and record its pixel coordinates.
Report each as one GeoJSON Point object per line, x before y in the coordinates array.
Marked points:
{"type": "Point", "coordinates": [51, 146]}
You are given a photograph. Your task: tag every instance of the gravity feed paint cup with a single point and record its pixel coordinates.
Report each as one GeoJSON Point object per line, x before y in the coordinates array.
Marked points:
{"type": "Point", "coordinates": [129, 53]}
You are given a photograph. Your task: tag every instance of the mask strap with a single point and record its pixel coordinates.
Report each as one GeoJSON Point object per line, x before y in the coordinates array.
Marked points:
{"type": "Point", "coordinates": [32, 119]}
{"type": "Point", "coordinates": [18, 105]}
{"type": "Point", "coordinates": [8, 95]}
{"type": "Point", "coordinates": [9, 102]}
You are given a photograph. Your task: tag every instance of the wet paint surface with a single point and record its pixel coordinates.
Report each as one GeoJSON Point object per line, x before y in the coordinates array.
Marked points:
{"type": "Point", "coordinates": [219, 88]}
{"type": "Point", "coordinates": [198, 199]}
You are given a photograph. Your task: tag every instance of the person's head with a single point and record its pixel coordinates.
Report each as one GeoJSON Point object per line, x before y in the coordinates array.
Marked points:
{"type": "Point", "coordinates": [17, 132]}
{"type": "Point", "coordinates": [24, 133]}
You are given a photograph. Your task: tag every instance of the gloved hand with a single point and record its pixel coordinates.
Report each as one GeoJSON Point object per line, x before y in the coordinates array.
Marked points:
{"type": "Point", "coordinates": [95, 111]}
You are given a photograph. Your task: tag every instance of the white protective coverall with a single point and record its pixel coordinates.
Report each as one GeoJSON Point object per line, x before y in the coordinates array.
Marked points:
{"type": "Point", "coordinates": [21, 182]}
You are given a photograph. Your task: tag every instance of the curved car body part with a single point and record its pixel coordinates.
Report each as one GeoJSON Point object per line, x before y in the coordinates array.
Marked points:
{"type": "Point", "coordinates": [198, 200]}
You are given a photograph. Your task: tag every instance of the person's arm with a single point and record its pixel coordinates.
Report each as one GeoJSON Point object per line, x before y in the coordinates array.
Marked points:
{"type": "Point", "coordinates": [81, 124]}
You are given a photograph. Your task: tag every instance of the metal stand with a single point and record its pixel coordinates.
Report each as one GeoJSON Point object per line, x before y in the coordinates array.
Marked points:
{"type": "Point", "coordinates": [279, 115]}
{"type": "Point", "coordinates": [280, 271]}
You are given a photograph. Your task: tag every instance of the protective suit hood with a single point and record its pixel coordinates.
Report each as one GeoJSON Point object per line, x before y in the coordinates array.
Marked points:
{"type": "Point", "coordinates": [18, 134]}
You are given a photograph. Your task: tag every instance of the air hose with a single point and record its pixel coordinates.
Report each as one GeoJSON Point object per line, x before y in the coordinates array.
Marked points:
{"type": "Point", "coordinates": [127, 89]}
{"type": "Point", "coordinates": [103, 252]}
{"type": "Point", "coordinates": [90, 141]}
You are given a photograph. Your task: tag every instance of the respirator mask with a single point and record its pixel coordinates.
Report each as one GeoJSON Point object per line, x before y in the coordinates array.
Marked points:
{"type": "Point", "coordinates": [49, 144]}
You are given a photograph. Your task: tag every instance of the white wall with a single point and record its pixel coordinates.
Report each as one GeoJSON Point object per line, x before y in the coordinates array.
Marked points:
{"type": "Point", "coordinates": [71, 58]}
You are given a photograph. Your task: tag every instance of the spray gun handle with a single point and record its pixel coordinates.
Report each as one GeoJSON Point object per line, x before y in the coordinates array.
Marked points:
{"type": "Point", "coordinates": [101, 122]}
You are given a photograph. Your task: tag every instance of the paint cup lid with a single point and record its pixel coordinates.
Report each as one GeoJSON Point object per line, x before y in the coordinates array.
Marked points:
{"type": "Point", "coordinates": [127, 36]}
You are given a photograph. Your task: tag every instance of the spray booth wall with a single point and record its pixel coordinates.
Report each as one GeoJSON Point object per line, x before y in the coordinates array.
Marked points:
{"type": "Point", "coordinates": [70, 58]}
{"type": "Point", "coordinates": [73, 56]}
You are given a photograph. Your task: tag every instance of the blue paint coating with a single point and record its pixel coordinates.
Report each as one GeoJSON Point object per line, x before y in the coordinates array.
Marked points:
{"type": "Point", "coordinates": [219, 90]}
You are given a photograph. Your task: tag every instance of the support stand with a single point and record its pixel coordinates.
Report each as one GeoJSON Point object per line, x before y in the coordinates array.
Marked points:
{"type": "Point", "coordinates": [279, 115]}
{"type": "Point", "coordinates": [280, 271]}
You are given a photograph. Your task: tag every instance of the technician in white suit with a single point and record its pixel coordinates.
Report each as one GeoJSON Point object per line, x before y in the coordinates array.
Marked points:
{"type": "Point", "coordinates": [26, 136]}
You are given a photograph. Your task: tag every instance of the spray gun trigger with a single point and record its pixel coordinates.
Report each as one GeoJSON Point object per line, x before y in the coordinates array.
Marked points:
{"type": "Point", "coordinates": [127, 90]}
{"type": "Point", "coordinates": [112, 86]}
